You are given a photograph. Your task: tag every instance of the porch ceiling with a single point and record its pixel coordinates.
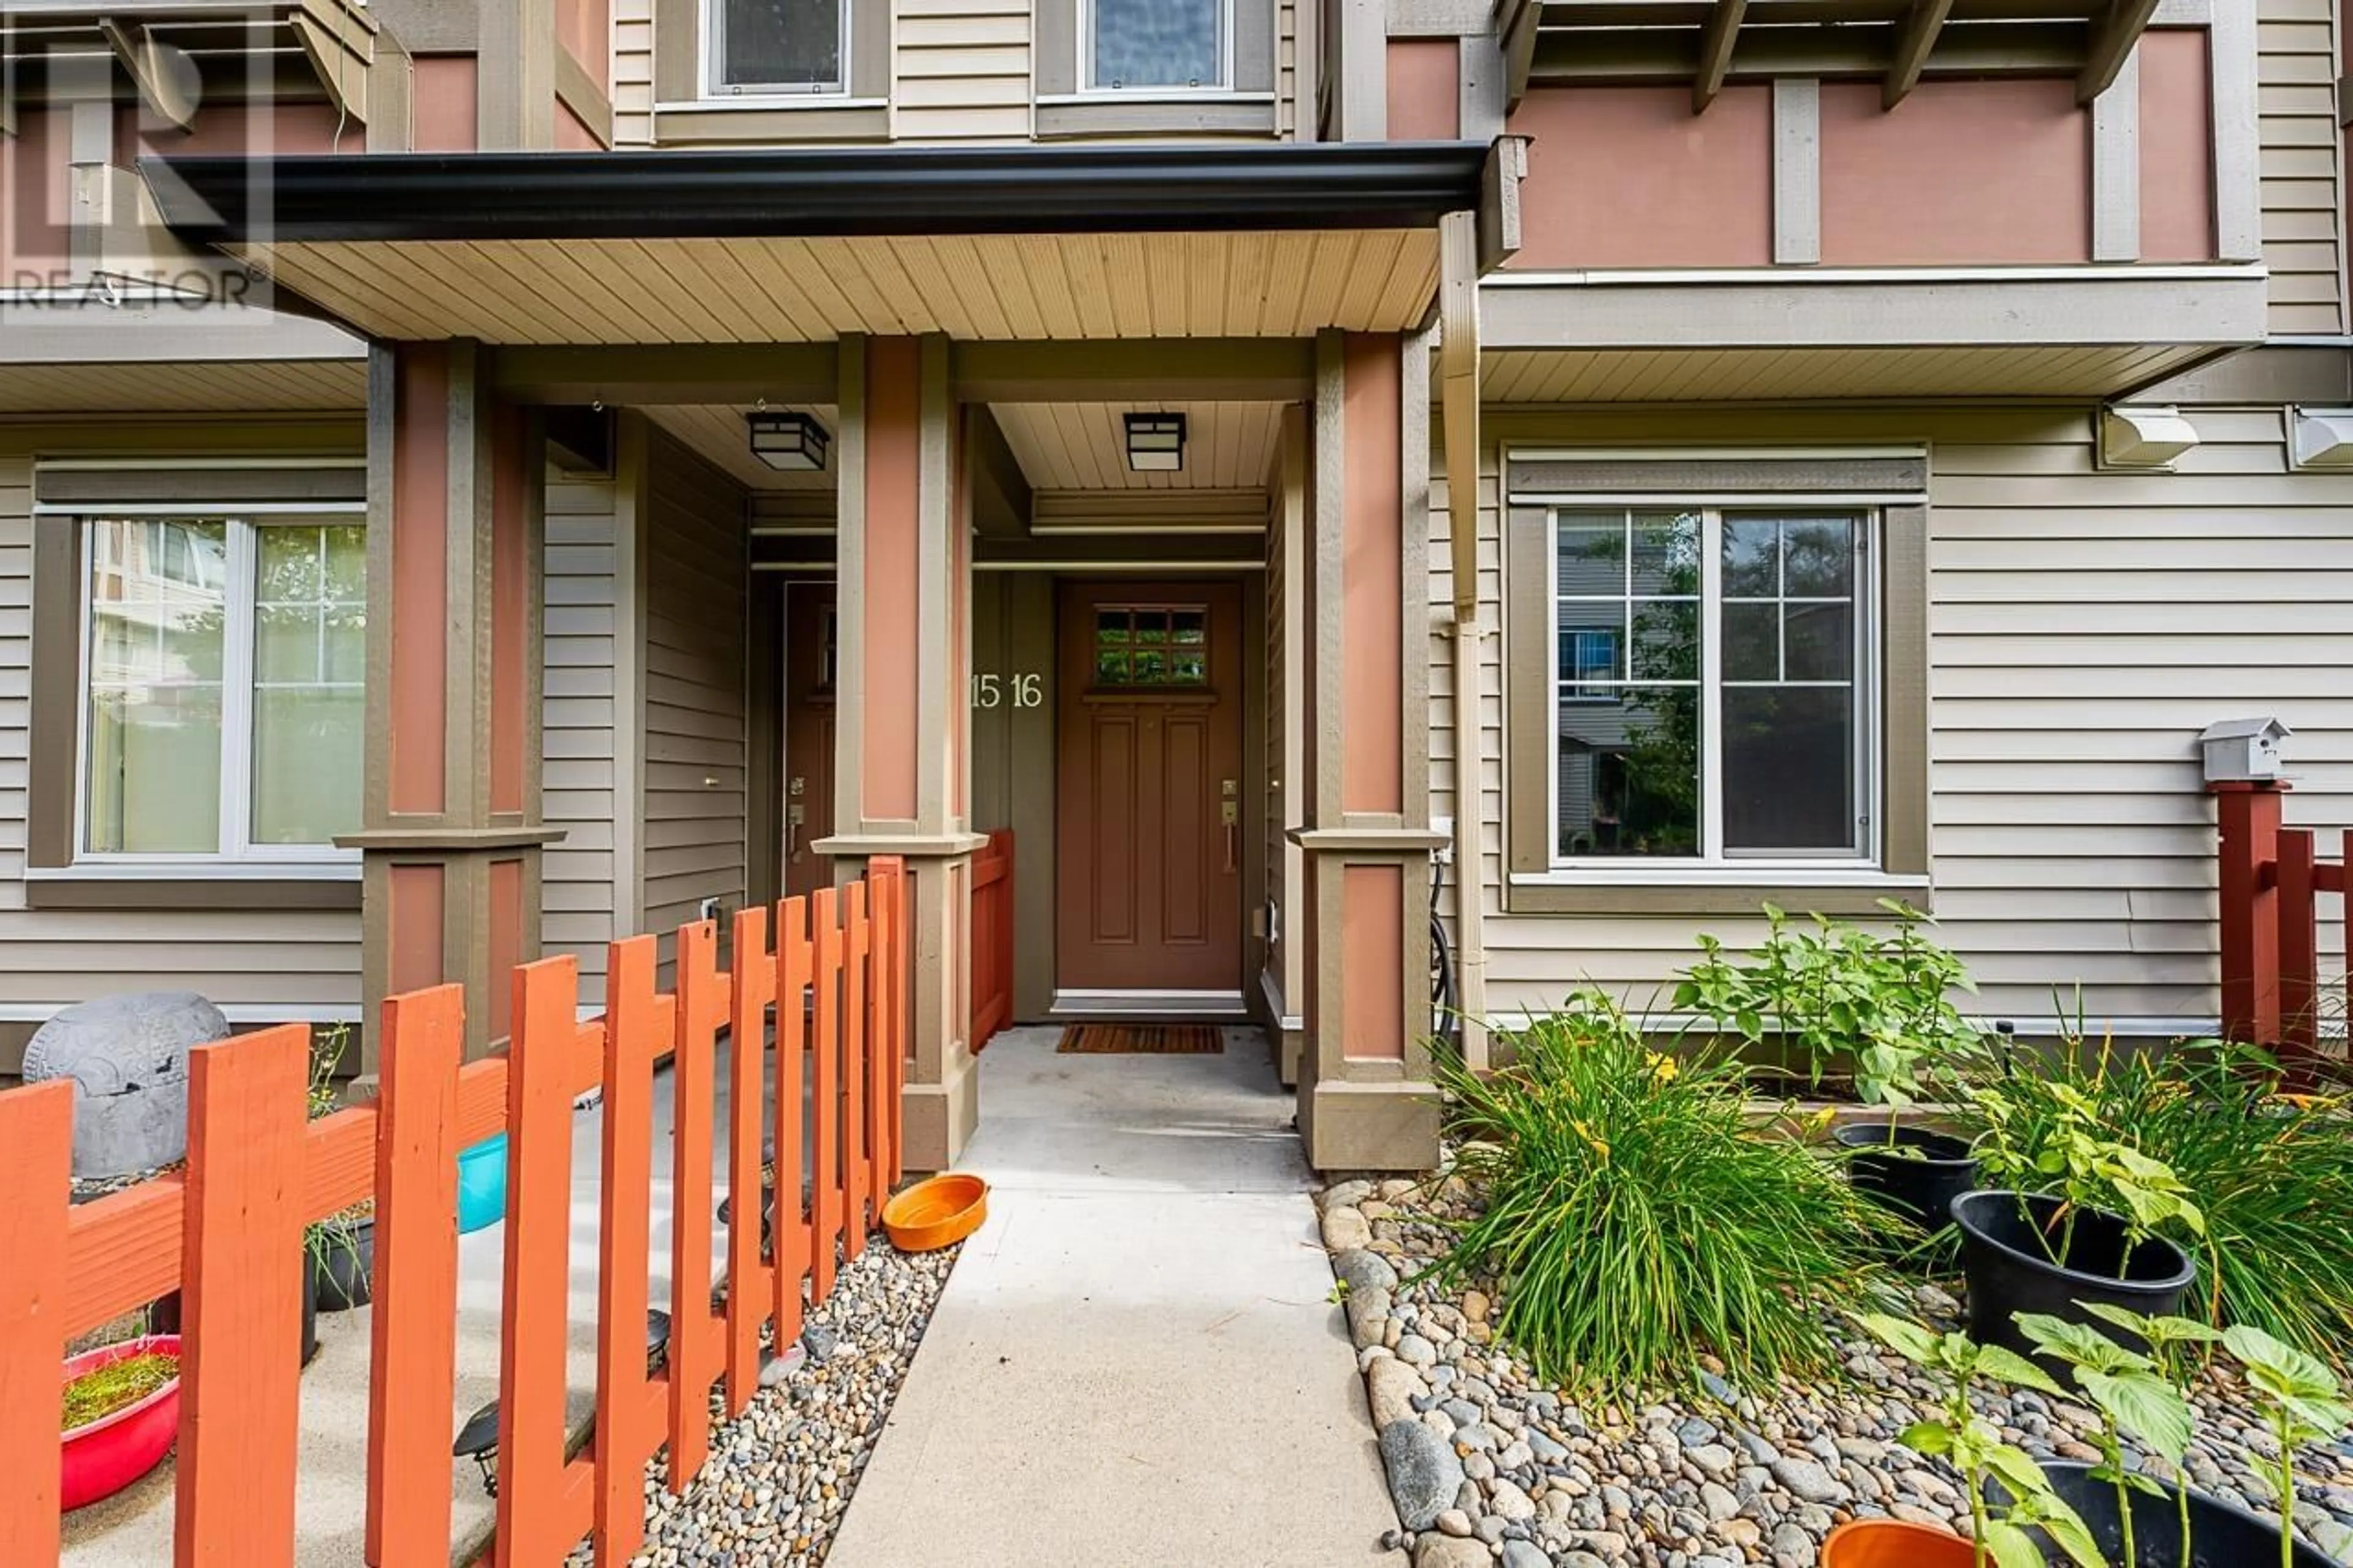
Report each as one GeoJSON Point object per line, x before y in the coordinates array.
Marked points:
{"type": "Point", "coordinates": [147, 387]}
{"type": "Point", "coordinates": [1083, 445]}
{"type": "Point", "coordinates": [1827, 375]}
{"type": "Point", "coordinates": [716, 430]}
{"type": "Point", "coordinates": [798, 246]}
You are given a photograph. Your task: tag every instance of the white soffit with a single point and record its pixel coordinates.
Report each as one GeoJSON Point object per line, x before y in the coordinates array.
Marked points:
{"type": "Point", "coordinates": [2321, 437]}
{"type": "Point", "coordinates": [2143, 435]}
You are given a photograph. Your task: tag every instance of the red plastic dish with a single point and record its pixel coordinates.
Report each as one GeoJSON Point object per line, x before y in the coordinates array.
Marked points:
{"type": "Point", "coordinates": [115, 1450]}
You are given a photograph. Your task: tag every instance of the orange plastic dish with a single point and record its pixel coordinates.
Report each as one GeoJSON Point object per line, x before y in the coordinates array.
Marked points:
{"type": "Point", "coordinates": [936, 1213]}
{"type": "Point", "coordinates": [1895, 1544]}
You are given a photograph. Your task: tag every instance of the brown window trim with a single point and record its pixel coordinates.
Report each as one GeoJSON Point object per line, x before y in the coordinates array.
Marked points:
{"type": "Point", "coordinates": [1903, 732]}
{"type": "Point", "coordinates": [773, 117]}
{"type": "Point", "coordinates": [1067, 107]}
{"type": "Point", "coordinates": [192, 892]}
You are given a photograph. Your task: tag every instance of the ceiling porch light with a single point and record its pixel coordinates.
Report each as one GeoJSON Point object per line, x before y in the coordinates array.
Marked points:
{"type": "Point", "coordinates": [793, 443]}
{"type": "Point", "coordinates": [1156, 443]}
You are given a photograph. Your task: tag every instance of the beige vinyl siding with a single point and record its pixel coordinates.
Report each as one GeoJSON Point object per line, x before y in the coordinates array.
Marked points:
{"type": "Point", "coordinates": [960, 70]}
{"type": "Point", "coordinates": [697, 560]}
{"type": "Point", "coordinates": [633, 73]}
{"type": "Point", "coordinates": [579, 790]}
{"type": "Point", "coordinates": [252, 962]}
{"type": "Point", "coordinates": [2083, 627]}
{"type": "Point", "coordinates": [2302, 169]}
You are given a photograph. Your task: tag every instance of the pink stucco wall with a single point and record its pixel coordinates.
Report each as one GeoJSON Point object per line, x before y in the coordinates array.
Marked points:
{"type": "Point", "coordinates": [1629, 176]}
{"type": "Point", "coordinates": [1960, 173]}
{"type": "Point", "coordinates": [1425, 90]}
{"type": "Point", "coordinates": [2176, 158]}
{"type": "Point", "coordinates": [442, 116]}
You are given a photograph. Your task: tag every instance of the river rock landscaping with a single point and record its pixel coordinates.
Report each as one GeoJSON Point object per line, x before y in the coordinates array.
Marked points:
{"type": "Point", "coordinates": [1488, 1462]}
{"type": "Point", "coordinates": [779, 1478]}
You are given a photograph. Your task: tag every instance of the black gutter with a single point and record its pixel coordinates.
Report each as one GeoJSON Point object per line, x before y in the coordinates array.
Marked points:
{"type": "Point", "coordinates": [800, 193]}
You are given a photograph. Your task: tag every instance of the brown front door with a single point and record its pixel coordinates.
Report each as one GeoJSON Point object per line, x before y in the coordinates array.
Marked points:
{"type": "Point", "coordinates": [811, 659]}
{"type": "Point", "coordinates": [1148, 835]}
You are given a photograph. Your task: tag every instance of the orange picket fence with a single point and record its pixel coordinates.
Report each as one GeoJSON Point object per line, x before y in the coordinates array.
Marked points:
{"type": "Point", "coordinates": [992, 937]}
{"type": "Point", "coordinates": [228, 1234]}
{"type": "Point", "coordinates": [2275, 985]}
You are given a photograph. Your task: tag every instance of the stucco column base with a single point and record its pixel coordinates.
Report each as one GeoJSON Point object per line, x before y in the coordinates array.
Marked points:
{"type": "Point", "coordinates": [1371, 1126]}
{"type": "Point", "coordinates": [937, 1119]}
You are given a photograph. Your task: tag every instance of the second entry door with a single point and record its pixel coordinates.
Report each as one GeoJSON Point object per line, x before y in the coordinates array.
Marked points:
{"type": "Point", "coordinates": [1148, 837]}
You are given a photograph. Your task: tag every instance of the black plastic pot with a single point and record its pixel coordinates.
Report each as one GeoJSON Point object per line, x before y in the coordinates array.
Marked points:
{"type": "Point", "coordinates": [309, 1312]}
{"type": "Point", "coordinates": [344, 1267]}
{"type": "Point", "coordinates": [2009, 1271]}
{"type": "Point", "coordinates": [1919, 1177]}
{"type": "Point", "coordinates": [2222, 1534]}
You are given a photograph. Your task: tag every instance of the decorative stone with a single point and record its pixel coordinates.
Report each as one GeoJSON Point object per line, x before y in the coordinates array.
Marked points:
{"type": "Point", "coordinates": [1448, 1551]}
{"type": "Point", "coordinates": [1423, 1472]}
{"type": "Point", "coordinates": [1369, 1313]}
{"type": "Point", "coordinates": [1345, 1230]}
{"type": "Point", "coordinates": [1390, 1385]}
{"type": "Point", "coordinates": [1364, 1270]}
{"type": "Point", "coordinates": [127, 1058]}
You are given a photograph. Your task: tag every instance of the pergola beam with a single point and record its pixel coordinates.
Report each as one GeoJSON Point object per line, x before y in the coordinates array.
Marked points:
{"type": "Point", "coordinates": [1515, 28]}
{"type": "Point", "coordinates": [2112, 44]}
{"type": "Point", "coordinates": [162, 75]}
{"type": "Point", "coordinates": [1912, 51]}
{"type": "Point", "coordinates": [1717, 44]}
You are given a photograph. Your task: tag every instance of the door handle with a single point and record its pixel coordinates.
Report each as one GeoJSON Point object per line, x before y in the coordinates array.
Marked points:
{"type": "Point", "coordinates": [1230, 814]}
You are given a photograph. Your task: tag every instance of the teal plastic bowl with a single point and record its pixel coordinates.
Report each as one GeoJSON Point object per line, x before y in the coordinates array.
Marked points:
{"type": "Point", "coordinates": [482, 1184]}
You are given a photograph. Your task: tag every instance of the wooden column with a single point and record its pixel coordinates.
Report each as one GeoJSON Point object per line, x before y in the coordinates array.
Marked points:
{"type": "Point", "coordinates": [2248, 816]}
{"type": "Point", "coordinates": [1366, 1101]}
{"type": "Point", "coordinates": [452, 830]}
{"type": "Point", "coordinates": [901, 749]}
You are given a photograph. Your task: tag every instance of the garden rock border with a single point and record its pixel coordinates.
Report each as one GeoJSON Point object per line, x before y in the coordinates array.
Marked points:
{"type": "Point", "coordinates": [779, 1478]}
{"type": "Point", "coordinates": [1716, 1480]}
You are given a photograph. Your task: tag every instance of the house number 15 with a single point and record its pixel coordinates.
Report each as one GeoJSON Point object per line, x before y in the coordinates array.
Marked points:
{"type": "Point", "coordinates": [1026, 688]}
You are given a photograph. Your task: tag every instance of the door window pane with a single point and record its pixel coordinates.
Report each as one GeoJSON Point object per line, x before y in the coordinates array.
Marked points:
{"type": "Point", "coordinates": [1159, 43]}
{"type": "Point", "coordinates": [1152, 644]}
{"type": "Point", "coordinates": [786, 45]}
{"type": "Point", "coordinates": [157, 625]}
{"type": "Point", "coordinates": [308, 702]}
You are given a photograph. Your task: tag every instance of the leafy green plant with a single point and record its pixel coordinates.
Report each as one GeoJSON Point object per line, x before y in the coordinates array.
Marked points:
{"type": "Point", "coordinates": [2132, 1396]}
{"type": "Point", "coordinates": [1973, 1447]}
{"type": "Point", "coordinates": [1837, 992]}
{"type": "Point", "coordinates": [2262, 1165]}
{"type": "Point", "coordinates": [338, 1232]}
{"type": "Point", "coordinates": [118, 1385]}
{"type": "Point", "coordinates": [1635, 1220]}
{"type": "Point", "coordinates": [2066, 1153]}
{"type": "Point", "coordinates": [2169, 1342]}
{"type": "Point", "coordinates": [2301, 1401]}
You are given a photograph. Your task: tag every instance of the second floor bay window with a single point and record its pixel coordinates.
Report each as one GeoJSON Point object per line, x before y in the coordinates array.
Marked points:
{"type": "Point", "coordinates": [782, 46]}
{"type": "Point", "coordinates": [1158, 44]}
{"type": "Point", "coordinates": [223, 697]}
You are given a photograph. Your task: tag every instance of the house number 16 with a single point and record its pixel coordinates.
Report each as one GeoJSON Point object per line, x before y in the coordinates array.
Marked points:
{"type": "Point", "coordinates": [1027, 688]}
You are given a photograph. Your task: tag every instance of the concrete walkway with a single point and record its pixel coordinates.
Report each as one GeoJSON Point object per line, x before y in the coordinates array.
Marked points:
{"type": "Point", "coordinates": [1135, 1362]}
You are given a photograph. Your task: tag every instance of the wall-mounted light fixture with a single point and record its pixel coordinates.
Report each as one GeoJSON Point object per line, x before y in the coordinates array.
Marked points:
{"type": "Point", "coordinates": [1156, 443]}
{"type": "Point", "coordinates": [794, 443]}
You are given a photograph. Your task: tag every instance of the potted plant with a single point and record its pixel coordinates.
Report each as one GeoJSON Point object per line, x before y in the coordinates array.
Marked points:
{"type": "Point", "coordinates": [2133, 1520]}
{"type": "Point", "coordinates": [340, 1251]}
{"type": "Point", "coordinates": [2004, 1522]}
{"type": "Point", "coordinates": [330, 1246]}
{"type": "Point", "coordinates": [1881, 1004]}
{"type": "Point", "coordinates": [2302, 1402]}
{"type": "Point", "coordinates": [2070, 1224]}
{"type": "Point", "coordinates": [119, 1413]}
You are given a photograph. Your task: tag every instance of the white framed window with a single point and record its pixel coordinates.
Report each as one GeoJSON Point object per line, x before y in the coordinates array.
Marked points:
{"type": "Point", "coordinates": [1157, 46]}
{"type": "Point", "coordinates": [221, 689]}
{"type": "Point", "coordinates": [1715, 691]}
{"type": "Point", "coordinates": [776, 47]}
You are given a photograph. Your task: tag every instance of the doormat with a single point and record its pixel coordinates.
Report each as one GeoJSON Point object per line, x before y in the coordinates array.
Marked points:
{"type": "Point", "coordinates": [1141, 1039]}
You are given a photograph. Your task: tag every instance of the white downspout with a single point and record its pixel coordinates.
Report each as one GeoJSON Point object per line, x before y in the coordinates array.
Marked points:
{"type": "Point", "coordinates": [1458, 355]}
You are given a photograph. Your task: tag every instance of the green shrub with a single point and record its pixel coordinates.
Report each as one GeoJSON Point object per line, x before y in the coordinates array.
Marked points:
{"type": "Point", "coordinates": [2272, 1174]}
{"type": "Point", "coordinates": [1881, 1003]}
{"type": "Point", "coordinates": [1635, 1220]}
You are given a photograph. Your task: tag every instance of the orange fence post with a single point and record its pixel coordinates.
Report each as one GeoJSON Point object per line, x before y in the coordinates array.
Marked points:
{"type": "Point", "coordinates": [891, 877]}
{"type": "Point", "coordinates": [36, 1172]}
{"type": "Point", "coordinates": [790, 1227]}
{"type": "Point", "coordinates": [2299, 952]}
{"type": "Point", "coordinates": [2248, 818]}
{"type": "Point", "coordinates": [413, 1328]}
{"type": "Point", "coordinates": [825, 1176]}
{"type": "Point", "coordinates": [240, 1301]}
{"type": "Point", "coordinates": [857, 1057]}
{"type": "Point", "coordinates": [753, 987]}
{"type": "Point", "coordinates": [702, 1006]}
{"type": "Point", "coordinates": [624, 1239]}
{"type": "Point", "coordinates": [879, 1101]}
{"type": "Point", "coordinates": [538, 1265]}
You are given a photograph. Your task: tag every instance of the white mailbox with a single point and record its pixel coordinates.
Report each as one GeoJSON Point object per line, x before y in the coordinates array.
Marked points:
{"type": "Point", "coordinates": [2242, 751]}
